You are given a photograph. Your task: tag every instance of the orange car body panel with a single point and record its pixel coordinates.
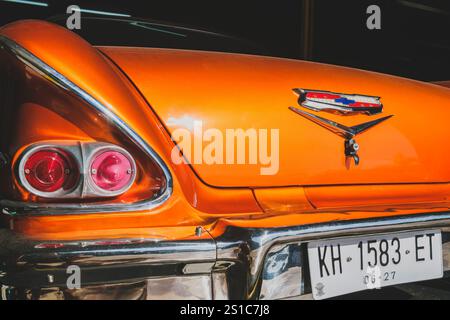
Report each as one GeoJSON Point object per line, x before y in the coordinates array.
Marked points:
{"type": "Point", "coordinates": [227, 91]}
{"type": "Point", "coordinates": [403, 160]}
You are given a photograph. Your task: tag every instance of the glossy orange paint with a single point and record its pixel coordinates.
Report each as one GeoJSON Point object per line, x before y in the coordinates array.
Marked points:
{"type": "Point", "coordinates": [328, 215]}
{"type": "Point", "coordinates": [310, 198]}
{"type": "Point", "coordinates": [238, 91]}
{"type": "Point", "coordinates": [89, 69]}
{"type": "Point", "coordinates": [376, 195]}
{"type": "Point", "coordinates": [227, 91]}
{"type": "Point", "coordinates": [283, 200]}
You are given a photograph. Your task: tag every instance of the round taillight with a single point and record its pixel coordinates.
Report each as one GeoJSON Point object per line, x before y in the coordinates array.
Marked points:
{"type": "Point", "coordinates": [112, 171]}
{"type": "Point", "coordinates": [49, 170]}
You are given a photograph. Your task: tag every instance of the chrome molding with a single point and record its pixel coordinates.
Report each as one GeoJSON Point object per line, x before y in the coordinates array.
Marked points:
{"type": "Point", "coordinates": [256, 243]}
{"type": "Point", "coordinates": [195, 287]}
{"type": "Point", "coordinates": [337, 128]}
{"type": "Point", "coordinates": [241, 263]}
{"type": "Point", "coordinates": [15, 207]}
{"type": "Point", "coordinates": [348, 133]}
{"type": "Point", "coordinates": [283, 272]}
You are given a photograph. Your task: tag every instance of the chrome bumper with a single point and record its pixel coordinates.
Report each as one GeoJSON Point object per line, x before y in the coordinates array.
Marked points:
{"type": "Point", "coordinates": [239, 264]}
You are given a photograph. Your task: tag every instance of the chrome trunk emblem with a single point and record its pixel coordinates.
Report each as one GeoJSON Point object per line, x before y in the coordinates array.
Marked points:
{"type": "Point", "coordinates": [341, 104]}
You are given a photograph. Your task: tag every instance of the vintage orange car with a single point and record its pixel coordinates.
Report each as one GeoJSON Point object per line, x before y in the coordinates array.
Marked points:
{"type": "Point", "coordinates": [149, 173]}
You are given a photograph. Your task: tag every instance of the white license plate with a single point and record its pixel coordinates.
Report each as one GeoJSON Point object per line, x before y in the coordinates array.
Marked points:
{"type": "Point", "coordinates": [346, 265]}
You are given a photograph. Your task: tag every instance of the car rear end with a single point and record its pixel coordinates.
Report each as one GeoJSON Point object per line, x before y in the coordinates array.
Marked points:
{"type": "Point", "coordinates": [94, 207]}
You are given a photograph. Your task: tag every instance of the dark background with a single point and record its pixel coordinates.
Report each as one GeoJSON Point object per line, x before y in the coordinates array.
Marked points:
{"type": "Point", "coordinates": [414, 40]}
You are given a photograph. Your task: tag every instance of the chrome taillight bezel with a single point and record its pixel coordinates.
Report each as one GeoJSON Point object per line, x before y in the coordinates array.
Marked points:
{"type": "Point", "coordinates": [83, 153]}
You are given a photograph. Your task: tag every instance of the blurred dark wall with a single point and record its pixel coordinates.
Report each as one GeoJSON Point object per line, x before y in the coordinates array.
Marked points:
{"type": "Point", "coordinates": [413, 42]}
{"type": "Point", "coordinates": [273, 24]}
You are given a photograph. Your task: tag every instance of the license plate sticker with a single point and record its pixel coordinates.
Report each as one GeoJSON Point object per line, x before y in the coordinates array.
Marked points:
{"type": "Point", "coordinates": [345, 265]}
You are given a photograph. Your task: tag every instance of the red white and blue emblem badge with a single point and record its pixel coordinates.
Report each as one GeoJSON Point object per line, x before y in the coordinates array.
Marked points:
{"type": "Point", "coordinates": [340, 103]}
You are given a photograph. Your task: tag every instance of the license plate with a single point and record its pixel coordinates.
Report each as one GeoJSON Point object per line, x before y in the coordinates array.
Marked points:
{"type": "Point", "coordinates": [345, 265]}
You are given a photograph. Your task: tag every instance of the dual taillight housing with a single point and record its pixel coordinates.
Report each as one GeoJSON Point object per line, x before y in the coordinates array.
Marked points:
{"type": "Point", "coordinates": [68, 150]}
{"type": "Point", "coordinates": [76, 170]}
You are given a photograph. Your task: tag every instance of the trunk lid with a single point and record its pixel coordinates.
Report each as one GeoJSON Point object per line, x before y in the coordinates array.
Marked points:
{"type": "Point", "coordinates": [231, 91]}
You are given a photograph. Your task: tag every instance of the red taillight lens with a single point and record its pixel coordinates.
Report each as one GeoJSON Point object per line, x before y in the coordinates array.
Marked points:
{"type": "Point", "coordinates": [112, 171]}
{"type": "Point", "coordinates": [50, 170]}
{"type": "Point", "coordinates": [76, 170]}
